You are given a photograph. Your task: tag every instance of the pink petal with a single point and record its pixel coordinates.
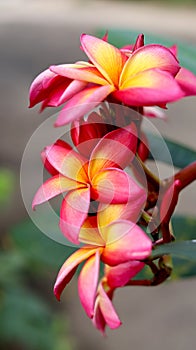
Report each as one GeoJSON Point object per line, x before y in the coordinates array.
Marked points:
{"type": "Point", "coordinates": [151, 87]}
{"type": "Point", "coordinates": [82, 103]}
{"type": "Point", "coordinates": [86, 134]}
{"type": "Point", "coordinates": [143, 149]}
{"type": "Point", "coordinates": [63, 92]}
{"type": "Point", "coordinates": [98, 319]}
{"type": "Point", "coordinates": [67, 162]}
{"type": "Point", "coordinates": [128, 211]}
{"type": "Point", "coordinates": [74, 211]}
{"type": "Point", "coordinates": [87, 283]}
{"type": "Point", "coordinates": [139, 42]}
{"type": "Point", "coordinates": [55, 97]}
{"type": "Point", "coordinates": [149, 57]}
{"type": "Point", "coordinates": [108, 59]}
{"type": "Point", "coordinates": [89, 233]}
{"type": "Point", "coordinates": [73, 88]}
{"type": "Point", "coordinates": [187, 81]}
{"type": "Point", "coordinates": [69, 267]}
{"type": "Point", "coordinates": [125, 242]}
{"type": "Point", "coordinates": [36, 92]}
{"type": "Point", "coordinates": [45, 161]}
{"type": "Point", "coordinates": [53, 187]}
{"type": "Point", "coordinates": [107, 309]}
{"type": "Point", "coordinates": [117, 148]}
{"type": "Point", "coordinates": [76, 71]}
{"type": "Point", "coordinates": [44, 84]}
{"type": "Point", "coordinates": [118, 276]}
{"type": "Point", "coordinates": [154, 112]}
{"type": "Point", "coordinates": [112, 186]}
{"type": "Point", "coordinates": [169, 201]}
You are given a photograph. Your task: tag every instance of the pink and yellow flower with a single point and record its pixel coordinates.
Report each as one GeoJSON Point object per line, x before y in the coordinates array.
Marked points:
{"type": "Point", "coordinates": [113, 240]}
{"type": "Point", "coordinates": [99, 178]}
{"type": "Point", "coordinates": [136, 76]}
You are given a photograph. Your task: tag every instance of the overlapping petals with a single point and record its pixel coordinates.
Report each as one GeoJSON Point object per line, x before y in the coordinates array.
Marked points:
{"type": "Point", "coordinates": [82, 180]}
{"type": "Point", "coordinates": [114, 277]}
{"type": "Point", "coordinates": [101, 202]}
{"type": "Point", "coordinates": [117, 243]}
{"type": "Point", "coordinates": [137, 75]}
{"type": "Point", "coordinates": [104, 312]}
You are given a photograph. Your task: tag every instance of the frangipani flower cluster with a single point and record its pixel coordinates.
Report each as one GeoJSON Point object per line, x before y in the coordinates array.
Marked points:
{"type": "Point", "coordinates": [105, 206]}
{"type": "Point", "coordinates": [142, 75]}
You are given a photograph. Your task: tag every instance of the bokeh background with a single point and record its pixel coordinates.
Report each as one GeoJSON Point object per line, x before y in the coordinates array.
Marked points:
{"type": "Point", "coordinates": [33, 35]}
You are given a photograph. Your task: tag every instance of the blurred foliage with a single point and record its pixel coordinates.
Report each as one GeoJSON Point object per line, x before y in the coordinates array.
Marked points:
{"type": "Point", "coordinates": [181, 155]}
{"type": "Point", "coordinates": [6, 186]}
{"type": "Point", "coordinates": [183, 250]}
{"type": "Point", "coordinates": [28, 261]}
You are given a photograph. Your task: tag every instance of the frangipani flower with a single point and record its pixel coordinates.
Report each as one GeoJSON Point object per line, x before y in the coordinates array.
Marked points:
{"type": "Point", "coordinates": [142, 76]}
{"type": "Point", "coordinates": [99, 178]}
{"type": "Point", "coordinates": [119, 242]}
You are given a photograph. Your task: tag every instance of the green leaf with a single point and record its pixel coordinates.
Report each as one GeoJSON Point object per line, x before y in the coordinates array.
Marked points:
{"type": "Point", "coordinates": [180, 154]}
{"type": "Point", "coordinates": [183, 254]}
{"type": "Point", "coordinates": [182, 249]}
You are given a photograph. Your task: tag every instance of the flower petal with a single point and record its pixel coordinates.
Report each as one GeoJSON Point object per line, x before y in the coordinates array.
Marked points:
{"type": "Point", "coordinates": [118, 276]}
{"type": "Point", "coordinates": [82, 103]}
{"type": "Point", "coordinates": [44, 84]}
{"type": "Point", "coordinates": [154, 112]}
{"type": "Point", "coordinates": [117, 148]}
{"type": "Point", "coordinates": [98, 319]}
{"type": "Point", "coordinates": [108, 59]}
{"type": "Point", "coordinates": [125, 242]}
{"type": "Point", "coordinates": [87, 283]}
{"type": "Point", "coordinates": [52, 188]}
{"type": "Point", "coordinates": [67, 162]}
{"type": "Point", "coordinates": [74, 211]}
{"type": "Point", "coordinates": [89, 233]}
{"type": "Point", "coordinates": [139, 42]}
{"type": "Point", "coordinates": [107, 309]}
{"type": "Point", "coordinates": [187, 81]}
{"type": "Point", "coordinates": [148, 57]}
{"type": "Point", "coordinates": [86, 134]}
{"type": "Point", "coordinates": [69, 267]}
{"type": "Point", "coordinates": [112, 186]}
{"type": "Point", "coordinates": [76, 71]}
{"type": "Point", "coordinates": [55, 96]}
{"type": "Point", "coordinates": [128, 211]}
{"type": "Point", "coordinates": [45, 161]}
{"type": "Point", "coordinates": [151, 87]}
{"type": "Point", "coordinates": [73, 88]}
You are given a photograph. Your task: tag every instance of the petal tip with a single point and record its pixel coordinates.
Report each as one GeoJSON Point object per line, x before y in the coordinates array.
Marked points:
{"type": "Point", "coordinates": [57, 294]}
